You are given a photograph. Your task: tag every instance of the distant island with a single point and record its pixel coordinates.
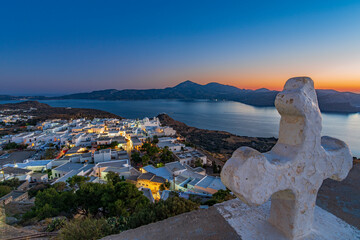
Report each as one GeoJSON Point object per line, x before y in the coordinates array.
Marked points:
{"type": "Point", "coordinates": [329, 100]}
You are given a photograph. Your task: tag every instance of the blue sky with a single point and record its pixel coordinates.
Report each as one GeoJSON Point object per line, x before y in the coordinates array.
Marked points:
{"type": "Point", "coordinates": [57, 47]}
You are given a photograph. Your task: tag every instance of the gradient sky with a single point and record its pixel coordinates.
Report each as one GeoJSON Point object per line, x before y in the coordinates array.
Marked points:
{"type": "Point", "coordinates": [57, 47]}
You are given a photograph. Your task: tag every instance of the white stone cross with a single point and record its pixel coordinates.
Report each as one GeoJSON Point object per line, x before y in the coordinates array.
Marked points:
{"type": "Point", "coordinates": [293, 171]}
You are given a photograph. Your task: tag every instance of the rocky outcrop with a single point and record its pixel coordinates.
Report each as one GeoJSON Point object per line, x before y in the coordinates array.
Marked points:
{"type": "Point", "coordinates": [44, 111]}
{"type": "Point", "coordinates": [217, 142]}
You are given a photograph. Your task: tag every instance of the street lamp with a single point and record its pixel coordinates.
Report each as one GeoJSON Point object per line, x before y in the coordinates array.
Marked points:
{"type": "Point", "coordinates": [3, 173]}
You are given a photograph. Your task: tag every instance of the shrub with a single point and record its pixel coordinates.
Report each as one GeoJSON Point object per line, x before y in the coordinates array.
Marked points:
{"type": "Point", "coordinates": [161, 210]}
{"type": "Point", "coordinates": [4, 190]}
{"type": "Point", "coordinates": [12, 183]}
{"type": "Point", "coordinates": [222, 195]}
{"type": "Point", "coordinates": [219, 196]}
{"type": "Point", "coordinates": [87, 228]}
{"type": "Point", "coordinates": [210, 202]}
{"type": "Point", "coordinates": [46, 211]}
{"type": "Point", "coordinates": [56, 224]}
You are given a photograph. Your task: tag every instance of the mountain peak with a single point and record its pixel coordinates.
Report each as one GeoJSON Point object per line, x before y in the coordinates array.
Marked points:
{"type": "Point", "coordinates": [262, 90]}
{"type": "Point", "coordinates": [187, 83]}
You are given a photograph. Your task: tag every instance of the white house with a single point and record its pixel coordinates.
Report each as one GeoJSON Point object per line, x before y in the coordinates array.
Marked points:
{"type": "Point", "coordinates": [190, 156]}
{"type": "Point", "coordinates": [174, 147]}
{"type": "Point", "coordinates": [102, 156]}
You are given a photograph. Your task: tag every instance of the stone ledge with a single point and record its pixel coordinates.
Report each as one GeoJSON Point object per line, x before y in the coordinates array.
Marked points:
{"type": "Point", "coordinates": [235, 220]}
{"type": "Point", "coordinates": [203, 224]}
{"type": "Point", "coordinates": [251, 223]}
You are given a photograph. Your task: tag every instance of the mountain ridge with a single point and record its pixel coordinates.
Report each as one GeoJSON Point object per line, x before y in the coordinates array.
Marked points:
{"type": "Point", "coordinates": [329, 100]}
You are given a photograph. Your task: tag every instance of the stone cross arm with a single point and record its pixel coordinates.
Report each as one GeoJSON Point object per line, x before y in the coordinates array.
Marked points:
{"type": "Point", "coordinates": [293, 171]}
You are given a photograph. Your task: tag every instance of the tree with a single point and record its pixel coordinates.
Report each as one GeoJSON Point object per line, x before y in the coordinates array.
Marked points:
{"type": "Point", "coordinates": [153, 150]}
{"type": "Point", "coordinates": [59, 186]}
{"type": "Point", "coordinates": [132, 198]}
{"type": "Point", "coordinates": [114, 144]}
{"type": "Point", "coordinates": [155, 140]}
{"type": "Point", "coordinates": [48, 196]}
{"type": "Point", "coordinates": [165, 186]}
{"type": "Point", "coordinates": [89, 197]}
{"type": "Point", "coordinates": [215, 169]}
{"type": "Point", "coordinates": [159, 165]}
{"type": "Point", "coordinates": [166, 155]}
{"type": "Point", "coordinates": [113, 178]}
{"type": "Point", "coordinates": [198, 162]}
{"type": "Point", "coordinates": [135, 157]}
{"type": "Point", "coordinates": [150, 149]}
{"type": "Point", "coordinates": [145, 160]}
{"type": "Point", "coordinates": [46, 211]}
{"type": "Point", "coordinates": [49, 203]}
{"type": "Point", "coordinates": [77, 180]}
{"type": "Point", "coordinates": [39, 187]}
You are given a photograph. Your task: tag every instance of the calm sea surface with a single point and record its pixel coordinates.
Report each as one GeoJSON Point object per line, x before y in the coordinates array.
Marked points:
{"type": "Point", "coordinates": [232, 117]}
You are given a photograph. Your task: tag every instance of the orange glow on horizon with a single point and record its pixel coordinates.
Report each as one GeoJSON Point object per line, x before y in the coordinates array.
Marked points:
{"type": "Point", "coordinates": [277, 83]}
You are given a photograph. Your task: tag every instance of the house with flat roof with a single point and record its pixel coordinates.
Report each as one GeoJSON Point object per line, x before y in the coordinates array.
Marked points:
{"type": "Point", "coordinates": [62, 170]}
{"type": "Point", "coordinates": [14, 172]}
{"type": "Point", "coordinates": [162, 172]}
{"type": "Point", "coordinates": [68, 170]}
{"type": "Point", "coordinates": [82, 158]}
{"type": "Point", "coordinates": [34, 165]}
{"type": "Point", "coordinates": [209, 185]}
{"type": "Point", "coordinates": [149, 180]}
{"type": "Point", "coordinates": [120, 167]}
{"type": "Point", "coordinates": [103, 155]}
{"type": "Point", "coordinates": [190, 156]}
{"type": "Point", "coordinates": [39, 177]}
{"type": "Point", "coordinates": [174, 147]}
{"type": "Point", "coordinates": [119, 155]}
{"type": "Point", "coordinates": [186, 179]}
{"type": "Point", "coordinates": [136, 143]}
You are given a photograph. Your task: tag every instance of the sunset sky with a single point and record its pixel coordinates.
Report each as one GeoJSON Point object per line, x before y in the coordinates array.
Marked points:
{"type": "Point", "coordinates": [59, 47]}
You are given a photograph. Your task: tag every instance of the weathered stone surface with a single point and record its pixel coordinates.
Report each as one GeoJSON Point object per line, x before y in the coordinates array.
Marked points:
{"type": "Point", "coordinates": [251, 223]}
{"type": "Point", "coordinates": [342, 198]}
{"type": "Point", "coordinates": [11, 220]}
{"type": "Point", "coordinates": [2, 215]}
{"type": "Point", "coordinates": [293, 171]}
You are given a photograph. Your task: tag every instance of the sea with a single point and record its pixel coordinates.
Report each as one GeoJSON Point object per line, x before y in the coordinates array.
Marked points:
{"type": "Point", "coordinates": [233, 117]}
